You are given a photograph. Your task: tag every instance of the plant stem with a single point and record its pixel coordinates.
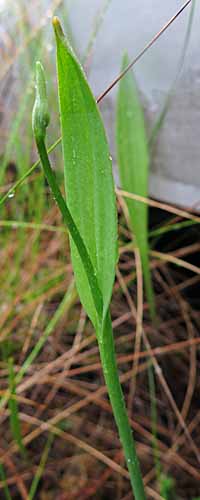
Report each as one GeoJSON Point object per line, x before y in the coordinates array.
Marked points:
{"type": "Point", "coordinates": [110, 370]}
{"type": "Point", "coordinates": [4, 483]}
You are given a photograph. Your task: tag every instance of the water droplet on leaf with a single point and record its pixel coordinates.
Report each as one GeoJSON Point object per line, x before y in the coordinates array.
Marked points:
{"type": "Point", "coordinates": [11, 194]}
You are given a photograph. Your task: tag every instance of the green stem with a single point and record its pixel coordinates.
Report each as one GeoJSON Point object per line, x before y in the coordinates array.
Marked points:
{"type": "Point", "coordinates": [73, 230]}
{"type": "Point", "coordinates": [108, 359]}
{"type": "Point", "coordinates": [4, 483]}
{"type": "Point", "coordinates": [154, 420]}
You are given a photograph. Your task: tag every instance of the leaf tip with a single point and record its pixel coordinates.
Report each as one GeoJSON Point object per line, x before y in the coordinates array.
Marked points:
{"type": "Point", "coordinates": [57, 27]}
{"type": "Point", "coordinates": [125, 59]}
{"type": "Point", "coordinates": [38, 66]}
{"type": "Point", "coordinates": [61, 38]}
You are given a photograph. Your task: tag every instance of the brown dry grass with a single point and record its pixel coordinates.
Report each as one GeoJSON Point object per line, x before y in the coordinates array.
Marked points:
{"type": "Point", "coordinates": [65, 386]}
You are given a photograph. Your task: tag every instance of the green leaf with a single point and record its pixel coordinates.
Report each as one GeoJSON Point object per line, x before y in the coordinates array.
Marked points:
{"type": "Point", "coordinates": [4, 483]}
{"type": "Point", "coordinates": [167, 487]}
{"type": "Point", "coordinates": [14, 410]}
{"type": "Point", "coordinates": [40, 123]}
{"type": "Point", "coordinates": [88, 176]}
{"type": "Point", "coordinates": [40, 470]}
{"type": "Point", "coordinates": [133, 162]}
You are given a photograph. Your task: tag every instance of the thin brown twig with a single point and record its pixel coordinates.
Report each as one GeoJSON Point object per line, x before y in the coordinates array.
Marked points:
{"type": "Point", "coordinates": [156, 204]}
{"type": "Point", "coordinates": [145, 49]}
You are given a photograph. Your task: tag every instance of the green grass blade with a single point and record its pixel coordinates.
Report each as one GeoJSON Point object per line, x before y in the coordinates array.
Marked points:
{"type": "Point", "coordinates": [133, 161]}
{"type": "Point", "coordinates": [41, 467]}
{"type": "Point", "coordinates": [167, 487]}
{"type": "Point", "coordinates": [67, 302]}
{"type": "Point", "coordinates": [16, 224]}
{"type": "Point", "coordinates": [14, 411]}
{"type": "Point", "coordinates": [11, 191]}
{"type": "Point", "coordinates": [173, 227]}
{"type": "Point", "coordinates": [96, 28]}
{"type": "Point", "coordinates": [154, 420]}
{"type": "Point", "coordinates": [4, 481]}
{"type": "Point", "coordinates": [88, 176]}
{"type": "Point", "coordinates": [16, 122]}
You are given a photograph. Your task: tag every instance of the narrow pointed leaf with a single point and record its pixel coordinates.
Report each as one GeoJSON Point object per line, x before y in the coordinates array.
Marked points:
{"type": "Point", "coordinates": [14, 410]}
{"type": "Point", "coordinates": [88, 175]}
{"type": "Point", "coordinates": [133, 161]}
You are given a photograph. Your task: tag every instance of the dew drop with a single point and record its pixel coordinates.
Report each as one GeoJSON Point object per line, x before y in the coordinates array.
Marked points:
{"type": "Point", "coordinates": [11, 194]}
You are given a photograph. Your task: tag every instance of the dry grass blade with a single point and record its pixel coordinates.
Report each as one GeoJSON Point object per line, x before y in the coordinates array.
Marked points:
{"type": "Point", "coordinates": [156, 204]}
{"type": "Point", "coordinates": [176, 261]}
